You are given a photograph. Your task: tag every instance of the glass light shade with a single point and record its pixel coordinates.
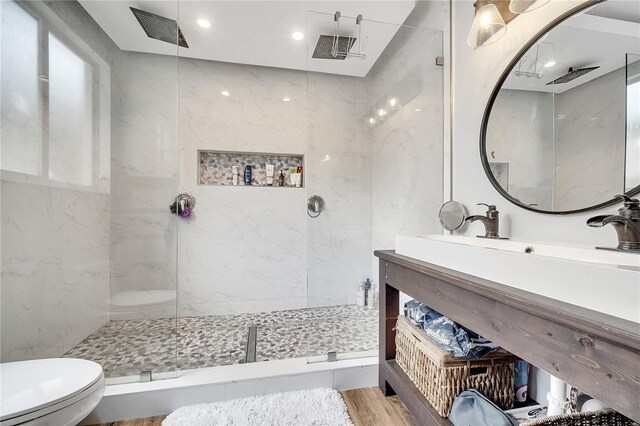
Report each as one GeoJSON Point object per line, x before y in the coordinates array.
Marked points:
{"type": "Point", "coordinates": [523, 6]}
{"type": "Point", "coordinates": [488, 26]}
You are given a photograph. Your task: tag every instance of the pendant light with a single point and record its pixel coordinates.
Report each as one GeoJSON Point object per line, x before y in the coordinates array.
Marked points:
{"type": "Point", "coordinates": [488, 25]}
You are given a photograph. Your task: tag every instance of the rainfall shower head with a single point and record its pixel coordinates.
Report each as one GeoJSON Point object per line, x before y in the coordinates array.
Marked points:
{"type": "Point", "coordinates": [572, 74]}
{"type": "Point", "coordinates": [325, 45]}
{"type": "Point", "coordinates": [160, 28]}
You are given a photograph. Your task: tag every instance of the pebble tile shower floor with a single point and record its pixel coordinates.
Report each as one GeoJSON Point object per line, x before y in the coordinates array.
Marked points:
{"type": "Point", "coordinates": [125, 348]}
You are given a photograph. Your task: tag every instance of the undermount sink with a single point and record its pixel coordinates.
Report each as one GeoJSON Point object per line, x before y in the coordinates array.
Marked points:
{"type": "Point", "coordinates": [602, 280]}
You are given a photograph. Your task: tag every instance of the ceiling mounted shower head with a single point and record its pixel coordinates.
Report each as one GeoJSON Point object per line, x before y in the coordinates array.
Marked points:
{"type": "Point", "coordinates": [324, 47]}
{"type": "Point", "coordinates": [572, 74]}
{"type": "Point", "coordinates": [160, 28]}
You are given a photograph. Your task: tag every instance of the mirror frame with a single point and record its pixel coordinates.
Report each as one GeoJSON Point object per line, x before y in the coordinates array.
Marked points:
{"type": "Point", "coordinates": [494, 95]}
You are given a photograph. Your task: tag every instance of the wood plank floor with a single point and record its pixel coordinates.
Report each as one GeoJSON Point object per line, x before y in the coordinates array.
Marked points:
{"type": "Point", "coordinates": [367, 407]}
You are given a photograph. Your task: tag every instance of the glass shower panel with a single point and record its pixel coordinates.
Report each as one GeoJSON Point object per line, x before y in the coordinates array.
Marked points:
{"type": "Point", "coordinates": [144, 184]}
{"type": "Point", "coordinates": [242, 253]}
{"type": "Point", "coordinates": [89, 161]}
{"type": "Point", "coordinates": [243, 102]}
{"type": "Point", "coordinates": [375, 155]}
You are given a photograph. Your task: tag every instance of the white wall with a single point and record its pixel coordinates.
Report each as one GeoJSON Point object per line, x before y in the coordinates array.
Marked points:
{"type": "Point", "coordinates": [475, 74]}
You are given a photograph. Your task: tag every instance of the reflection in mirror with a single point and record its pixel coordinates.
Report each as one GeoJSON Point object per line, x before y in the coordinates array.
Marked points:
{"type": "Point", "coordinates": [452, 215]}
{"type": "Point", "coordinates": [632, 166]}
{"type": "Point", "coordinates": [562, 133]}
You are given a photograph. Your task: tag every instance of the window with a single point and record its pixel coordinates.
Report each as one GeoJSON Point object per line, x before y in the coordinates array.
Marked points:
{"type": "Point", "coordinates": [21, 91]}
{"type": "Point", "coordinates": [48, 102]}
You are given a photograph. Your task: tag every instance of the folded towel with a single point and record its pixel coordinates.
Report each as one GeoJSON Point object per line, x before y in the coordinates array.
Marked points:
{"type": "Point", "coordinates": [458, 341]}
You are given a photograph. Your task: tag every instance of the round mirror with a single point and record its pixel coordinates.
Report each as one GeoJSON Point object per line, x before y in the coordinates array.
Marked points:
{"type": "Point", "coordinates": [561, 132]}
{"type": "Point", "coordinates": [452, 215]}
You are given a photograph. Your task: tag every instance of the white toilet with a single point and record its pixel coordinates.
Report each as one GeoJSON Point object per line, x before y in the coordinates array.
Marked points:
{"type": "Point", "coordinates": [56, 391]}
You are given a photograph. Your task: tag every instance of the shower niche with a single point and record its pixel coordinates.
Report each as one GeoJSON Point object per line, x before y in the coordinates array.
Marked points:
{"type": "Point", "coordinates": [216, 168]}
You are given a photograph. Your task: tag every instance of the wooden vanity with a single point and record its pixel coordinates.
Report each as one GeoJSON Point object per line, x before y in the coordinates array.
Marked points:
{"type": "Point", "coordinates": [597, 353]}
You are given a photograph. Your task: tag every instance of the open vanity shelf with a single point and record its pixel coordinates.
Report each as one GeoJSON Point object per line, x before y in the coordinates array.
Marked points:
{"type": "Point", "coordinates": [597, 353]}
{"type": "Point", "coordinates": [215, 167]}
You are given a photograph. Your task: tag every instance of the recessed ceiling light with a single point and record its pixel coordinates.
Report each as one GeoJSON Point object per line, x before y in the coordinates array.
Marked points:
{"type": "Point", "coordinates": [372, 120]}
{"type": "Point", "coordinates": [225, 93]}
{"type": "Point", "coordinates": [393, 102]}
{"type": "Point", "coordinates": [418, 109]}
{"type": "Point", "coordinates": [204, 23]}
{"type": "Point", "coordinates": [297, 35]}
{"type": "Point", "coordinates": [381, 112]}
{"type": "Point", "coordinates": [549, 64]}
{"type": "Point", "coordinates": [286, 99]}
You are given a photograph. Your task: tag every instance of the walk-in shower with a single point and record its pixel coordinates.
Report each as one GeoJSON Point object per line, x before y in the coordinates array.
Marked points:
{"type": "Point", "coordinates": [104, 126]}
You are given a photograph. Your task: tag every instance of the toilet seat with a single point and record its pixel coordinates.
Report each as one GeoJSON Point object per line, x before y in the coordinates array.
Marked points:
{"type": "Point", "coordinates": [49, 391]}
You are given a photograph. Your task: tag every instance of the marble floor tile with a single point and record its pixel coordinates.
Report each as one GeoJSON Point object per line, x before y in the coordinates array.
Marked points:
{"type": "Point", "coordinates": [161, 345]}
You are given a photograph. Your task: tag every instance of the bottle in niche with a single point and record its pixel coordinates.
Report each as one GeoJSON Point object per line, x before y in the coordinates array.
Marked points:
{"type": "Point", "coordinates": [367, 292]}
{"type": "Point", "coordinates": [373, 295]}
{"type": "Point", "coordinates": [281, 178]}
{"type": "Point", "coordinates": [247, 175]}
{"type": "Point", "coordinates": [234, 171]}
{"type": "Point", "coordinates": [360, 295]}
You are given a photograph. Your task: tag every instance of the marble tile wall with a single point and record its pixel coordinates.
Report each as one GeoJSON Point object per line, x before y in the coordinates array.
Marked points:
{"type": "Point", "coordinates": [407, 147]}
{"type": "Point", "coordinates": [243, 249]}
{"type": "Point", "coordinates": [55, 237]}
{"type": "Point", "coordinates": [55, 268]}
{"type": "Point", "coordinates": [257, 250]}
{"type": "Point", "coordinates": [338, 169]}
{"type": "Point", "coordinates": [564, 151]}
{"type": "Point", "coordinates": [590, 142]}
{"type": "Point", "coordinates": [520, 133]}
{"type": "Point", "coordinates": [144, 160]}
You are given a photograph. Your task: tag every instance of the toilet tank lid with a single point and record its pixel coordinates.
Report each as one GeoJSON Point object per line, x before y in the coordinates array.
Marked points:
{"type": "Point", "coordinates": [27, 386]}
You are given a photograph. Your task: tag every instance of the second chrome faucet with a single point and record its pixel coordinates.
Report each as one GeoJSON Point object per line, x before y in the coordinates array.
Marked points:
{"type": "Point", "coordinates": [626, 223]}
{"type": "Point", "coordinates": [491, 222]}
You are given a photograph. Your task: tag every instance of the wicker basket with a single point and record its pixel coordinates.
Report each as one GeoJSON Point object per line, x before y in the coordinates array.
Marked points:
{"type": "Point", "coordinates": [441, 377]}
{"type": "Point", "coordinates": [607, 417]}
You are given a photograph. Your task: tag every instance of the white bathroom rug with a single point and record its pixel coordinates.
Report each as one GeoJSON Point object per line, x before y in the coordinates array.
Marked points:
{"type": "Point", "coordinates": [315, 407]}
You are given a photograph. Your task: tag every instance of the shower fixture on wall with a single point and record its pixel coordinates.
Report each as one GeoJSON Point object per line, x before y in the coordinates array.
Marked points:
{"type": "Point", "coordinates": [572, 74]}
{"type": "Point", "coordinates": [338, 46]}
{"type": "Point", "coordinates": [533, 63]}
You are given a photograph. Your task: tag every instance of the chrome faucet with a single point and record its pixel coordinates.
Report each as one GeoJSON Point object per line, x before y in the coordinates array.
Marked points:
{"type": "Point", "coordinates": [626, 223]}
{"type": "Point", "coordinates": [490, 221]}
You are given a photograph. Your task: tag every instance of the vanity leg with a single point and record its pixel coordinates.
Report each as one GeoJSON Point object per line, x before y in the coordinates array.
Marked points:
{"type": "Point", "coordinates": [389, 299]}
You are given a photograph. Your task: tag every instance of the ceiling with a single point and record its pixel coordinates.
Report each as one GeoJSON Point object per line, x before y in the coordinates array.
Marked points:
{"type": "Point", "coordinates": [622, 10]}
{"type": "Point", "coordinates": [257, 32]}
{"type": "Point", "coordinates": [586, 40]}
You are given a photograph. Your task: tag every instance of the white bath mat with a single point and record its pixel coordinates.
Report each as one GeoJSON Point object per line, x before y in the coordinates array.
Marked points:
{"type": "Point", "coordinates": [315, 407]}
